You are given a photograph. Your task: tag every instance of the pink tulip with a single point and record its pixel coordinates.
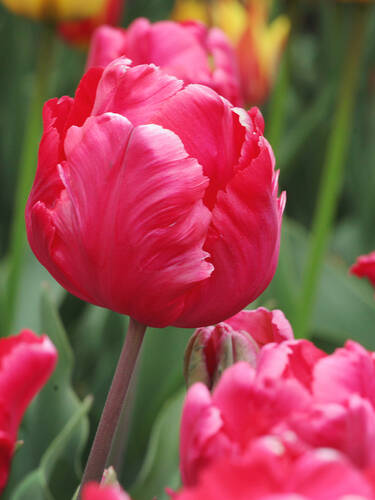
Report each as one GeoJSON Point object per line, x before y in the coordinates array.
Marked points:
{"type": "Point", "coordinates": [296, 394]}
{"type": "Point", "coordinates": [273, 474]}
{"type": "Point", "coordinates": [188, 51]}
{"type": "Point", "coordinates": [211, 349]}
{"type": "Point", "coordinates": [365, 267]}
{"type": "Point", "coordinates": [241, 409]}
{"type": "Point", "coordinates": [263, 325]}
{"type": "Point", "coordinates": [155, 199]}
{"type": "Point", "coordinates": [26, 362]}
{"type": "Point", "coordinates": [94, 491]}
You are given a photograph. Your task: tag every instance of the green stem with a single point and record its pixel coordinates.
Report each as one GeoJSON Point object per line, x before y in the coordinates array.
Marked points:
{"type": "Point", "coordinates": [28, 161]}
{"type": "Point", "coordinates": [277, 110]}
{"type": "Point", "coordinates": [332, 172]}
{"type": "Point", "coordinates": [115, 401]}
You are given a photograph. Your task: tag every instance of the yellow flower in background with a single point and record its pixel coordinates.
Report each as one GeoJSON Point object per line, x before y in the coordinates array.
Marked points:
{"type": "Point", "coordinates": [259, 43]}
{"type": "Point", "coordinates": [55, 10]}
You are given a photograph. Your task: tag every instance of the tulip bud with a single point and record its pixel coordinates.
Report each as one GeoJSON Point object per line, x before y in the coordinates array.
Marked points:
{"type": "Point", "coordinates": [212, 349]}
{"type": "Point", "coordinates": [109, 477]}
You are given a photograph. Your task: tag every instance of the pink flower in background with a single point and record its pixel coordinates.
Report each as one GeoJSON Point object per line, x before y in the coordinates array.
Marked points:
{"type": "Point", "coordinates": [80, 32]}
{"type": "Point", "coordinates": [94, 491]}
{"type": "Point", "coordinates": [187, 50]}
{"type": "Point", "coordinates": [155, 199]}
{"type": "Point", "coordinates": [211, 349]}
{"type": "Point", "coordinates": [263, 325]}
{"type": "Point", "coordinates": [269, 472]}
{"type": "Point", "coordinates": [241, 409]}
{"type": "Point", "coordinates": [26, 362]}
{"type": "Point", "coordinates": [365, 267]}
{"type": "Point", "coordinates": [296, 394]}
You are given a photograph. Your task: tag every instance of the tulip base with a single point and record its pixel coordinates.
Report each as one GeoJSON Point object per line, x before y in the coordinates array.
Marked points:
{"type": "Point", "coordinates": [112, 409]}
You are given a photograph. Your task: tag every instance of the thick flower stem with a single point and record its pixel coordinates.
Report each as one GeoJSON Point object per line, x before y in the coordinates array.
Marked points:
{"type": "Point", "coordinates": [27, 165]}
{"type": "Point", "coordinates": [112, 409]}
{"type": "Point", "coordinates": [332, 173]}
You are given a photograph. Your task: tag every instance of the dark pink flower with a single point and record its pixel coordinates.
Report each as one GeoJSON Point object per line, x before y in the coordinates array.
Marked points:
{"type": "Point", "coordinates": [263, 325]}
{"type": "Point", "coordinates": [242, 408]}
{"type": "Point", "coordinates": [155, 199]}
{"type": "Point", "coordinates": [188, 51]}
{"type": "Point", "coordinates": [365, 267]}
{"type": "Point", "coordinates": [296, 393]}
{"type": "Point", "coordinates": [26, 362]}
{"type": "Point", "coordinates": [272, 474]}
{"type": "Point", "coordinates": [94, 491]}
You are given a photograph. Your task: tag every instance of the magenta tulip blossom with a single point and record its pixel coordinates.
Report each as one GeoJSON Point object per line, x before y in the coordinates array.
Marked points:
{"type": "Point", "coordinates": [155, 199]}
{"type": "Point", "coordinates": [189, 51]}
{"type": "Point", "coordinates": [296, 394]}
{"type": "Point", "coordinates": [26, 362]}
{"type": "Point", "coordinates": [269, 472]}
{"type": "Point", "coordinates": [364, 267]}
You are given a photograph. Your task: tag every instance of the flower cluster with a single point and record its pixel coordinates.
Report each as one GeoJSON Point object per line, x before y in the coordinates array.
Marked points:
{"type": "Point", "coordinates": [298, 422]}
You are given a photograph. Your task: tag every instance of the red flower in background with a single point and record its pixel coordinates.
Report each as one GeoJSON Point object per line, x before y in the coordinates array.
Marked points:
{"type": "Point", "coordinates": [297, 395]}
{"type": "Point", "coordinates": [26, 362]}
{"type": "Point", "coordinates": [188, 51]}
{"type": "Point", "coordinates": [155, 199]}
{"type": "Point", "coordinates": [270, 472]}
{"type": "Point", "coordinates": [365, 267]}
{"type": "Point", "coordinates": [80, 32]}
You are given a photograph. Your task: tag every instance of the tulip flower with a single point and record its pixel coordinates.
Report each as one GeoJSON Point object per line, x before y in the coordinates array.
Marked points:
{"type": "Point", "coordinates": [80, 32]}
{"type": "Point", "coordinates": [271, 473]}
{"type": "Point", "coordinates": [259, 44]}
{"type": "Point", "coordinates": [188, 51]}
{"type": "Point", "coordinates": [296, 394]}
{"type": "Point", "coordinates": [26, 362]}
{"type": "Point", "coordinates": [212, 349]}
{"type": "Point", "coordinates": [155, 199]}
{"type": "Point", "coordinates": [365, 267]}
{"type": "Point", "coordinates": [55, 10]}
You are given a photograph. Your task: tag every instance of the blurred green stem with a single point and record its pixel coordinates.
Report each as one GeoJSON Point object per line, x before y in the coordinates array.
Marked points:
{"type": "Point", "coordinates": [26, 171]}
{"type": "Point", "coordinates": [277, 109]}
{"type": "Point", "coordinates": [332, 172]}
{"type": "Point", "coordinates": [101, 446]}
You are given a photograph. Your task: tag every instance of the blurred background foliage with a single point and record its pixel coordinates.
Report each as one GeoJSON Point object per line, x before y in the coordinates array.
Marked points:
{"type": "Point", "coordinates": [57, 426]}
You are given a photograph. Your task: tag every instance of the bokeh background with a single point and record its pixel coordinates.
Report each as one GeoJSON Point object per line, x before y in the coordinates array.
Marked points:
{"type": "Point", "coordinates": [300, 117]}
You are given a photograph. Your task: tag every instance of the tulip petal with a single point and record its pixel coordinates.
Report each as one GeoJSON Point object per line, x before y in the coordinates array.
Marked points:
{"type": "Point", "coordinates": [250, 407]}
{"type": "Point", "coordinates": [263, 325]}
{"type": "Point", "coordinates": [136, 93]}
{"type": "Point", "coordinates": [210, 130]}
{"type": "Point", "coordinates": [26, 362]}
{"type": "Point", "coordinates": [245, 232]}
{"type": "Point", "coordinates": [350, 370]}
{"type": "Point", "coordinates": [153, 238]}
{"type": "Point", "coordinates": [201, 440]}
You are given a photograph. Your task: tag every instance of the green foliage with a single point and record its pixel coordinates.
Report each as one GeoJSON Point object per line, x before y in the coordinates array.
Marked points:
{"type": "Point", "coordinates": [161, 465]}
{"type": "Point", "coordinates": [55, 428]}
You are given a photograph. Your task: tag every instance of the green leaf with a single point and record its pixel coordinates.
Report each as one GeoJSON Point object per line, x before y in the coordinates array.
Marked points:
{"type": "Point", "coordinates": [35, 485]}
{"type": "Point", "coordinates": [345, 306]}
{"type": "Point", "coordinates": [48, 414]}
{"type": "Point", "coordinates": [160, 377]}
{"type": "Point", "coordinates": [161, 466]}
